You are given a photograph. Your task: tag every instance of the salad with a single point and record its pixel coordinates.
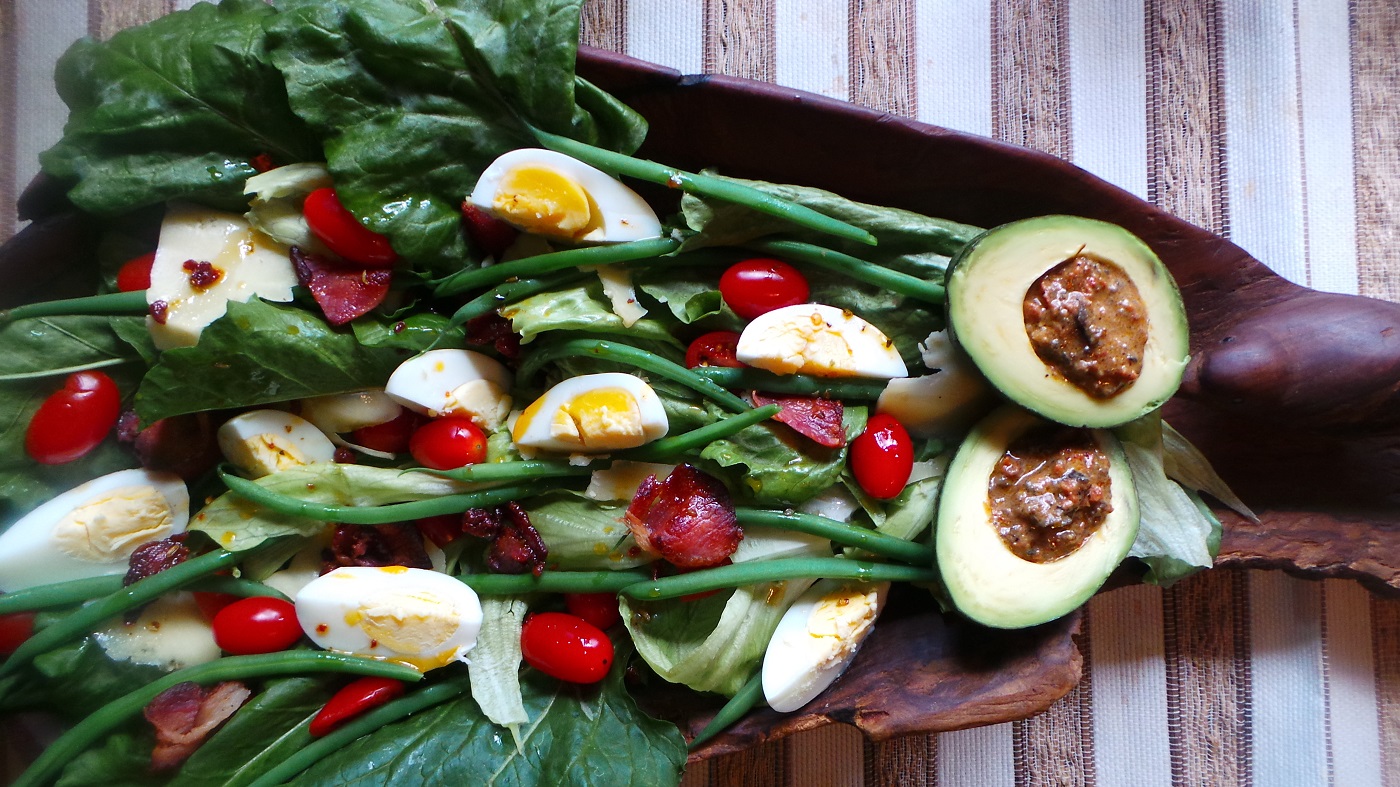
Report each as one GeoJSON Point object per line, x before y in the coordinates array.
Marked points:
{"type": "Point", "coordinates": [417, 425]}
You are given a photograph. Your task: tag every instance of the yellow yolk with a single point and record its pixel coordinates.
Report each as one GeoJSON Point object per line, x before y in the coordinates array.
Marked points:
{"type": "Point", "coordinates": [601, 419]}
{"type": "Point", "coordinates": [270, 452]}
{"type": "Point", "coordinates": [108, 527]}
{"type": "Point", "coordinates": [414, 622]}
{"type": "Point", "coordinates": [544, 201]}
{"type": "Point", "coordinates": [840, 620]}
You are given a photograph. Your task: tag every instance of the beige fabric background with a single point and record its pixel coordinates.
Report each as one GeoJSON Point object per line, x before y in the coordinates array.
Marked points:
{"type": "Point", "coordinates": [1270, 121]}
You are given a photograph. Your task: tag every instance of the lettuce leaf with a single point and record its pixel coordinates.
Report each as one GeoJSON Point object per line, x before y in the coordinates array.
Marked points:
{"type": "Point", "coordinates": [583, 309]}
{"type": "Point", "coordinates": [1178, 535]}
{"type": "Point", "coordinates": [770, 464]}
{"type": "Point", "coordinates": [583, 534]}
{"type": "Point", "coordinates": [494, 665]}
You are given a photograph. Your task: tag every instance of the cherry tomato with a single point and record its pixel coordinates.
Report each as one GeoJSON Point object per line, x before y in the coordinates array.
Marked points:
{"type": "Point", "coordinates": [490, 233]}
{"type": "Point", "coordinates": [716, 348]}
{"type": "Point", "coordinates": [391, 437]}
{"type": "Point", "coordinates": [256, 625]}
{"type": "Point", "coordinates": [15, 628]}
{"type": "Point", "coordinates": [600, 609]}
{"type": "Point", "coordinates": [211, 604]}
{"type": "Point", "coordinates": [74, 419]}
{"type": "Point", "coordinates": [566, 647]}
{"type": "Point", "coordinates": [882, 457]}
{"type": "Point", "coordinates": [760, 285]}
{"type": "Point", "coordinates": [447, 443]}
{"type": "Point", "coordinates": [354, 699]}
{"type": "Point", "coordinates": [135, 274]}
{"type": "Point", "coordinates": [442, 529]}
{"type": "Point", "coordinates": [343, 233]}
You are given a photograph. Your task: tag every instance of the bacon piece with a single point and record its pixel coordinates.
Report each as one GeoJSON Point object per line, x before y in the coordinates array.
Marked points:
{"type": "Point", "coordinates": [688, 519]}
{"type": "Point", "coordinates": [186, 445]}
{"type": "Point", "coordinates": [342, 292]}
{"type": "Point", "coordinates": [516, 546]}
{"type": "Point", "coordinates": [493, 330]}
{"type": "Point", "coordinates": [375, 545]}
{"type": "Point", "coordinates": [490, 233]}
{"type": "Point", "coordinates": [185, 714]}
{"type": "Point", "coordinates": [814, 417]}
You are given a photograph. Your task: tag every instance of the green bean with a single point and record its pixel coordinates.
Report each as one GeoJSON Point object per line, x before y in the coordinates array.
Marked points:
{"type": "Point", "coordinates": [840, 532]}
{"type": "Point", "coordinates": [509, 471]}
{"type": "Point", "coordinates": [742, 701]}
{"type": "Point", "coordinates": [752, 573]}
{"type": "Point", "coordinates": [510, 292]}
{"type": "Point", "coordinates": [622, 353]}
{"type": "Point", "coordinates": [668, 447]}
{"type": "Point", "coordinates": [795, 384]}
{"type": "Point", "coordinates": [116, 713]}
{"type": "Point", "coordinates": [856, 268]}
{"type": "Point", "coordinates": [704, 185]}
{"type": "Point", "coordinates": [553, 582]}
{"type": "Point", "coordinates": [59, 594]}
{"type": "Point", "coordinates": [492, 275]}
{"type": "Point", "coordinates": [84, 620]}
{"type": "Point", "coordinates": [117, 303]}
{"type": "Point", "coordinates": [388, 713]}
{"type": "Point", "coordinates": [377, 515]}
{"type": "Point", "coordinates": [237, 586]}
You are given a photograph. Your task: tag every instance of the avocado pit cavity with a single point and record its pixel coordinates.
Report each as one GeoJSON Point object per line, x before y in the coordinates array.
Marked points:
{"type": "Point", "coordinates": [1049, 492]}
{"type": "Point", "coordinates": [1087, 321]}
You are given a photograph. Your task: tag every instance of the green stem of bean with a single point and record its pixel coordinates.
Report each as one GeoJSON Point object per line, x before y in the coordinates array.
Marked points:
{"type": "Point", "coordinates": [741, 703]}
{"type": "Point", "coordinates": [795, 384]}
{"type": "Point", "coordinates": [378, 515]}
{"type": "Point", "coordinates": [532, 267]}
{"type": "Point", "coordinates": [625, 354]}
{"type": "Point", "coordinates": [113, 303]}
{"type": "Point", "coordinates": [59, 594]}
{"type": "Point", "coordinates": [553, 582]}
{"type": "Point", "coordinates": [856, 268]}
{"type": "Point", "coordinates": [841, 533]}
{"type": "Point", "coordinates": [739, 574]}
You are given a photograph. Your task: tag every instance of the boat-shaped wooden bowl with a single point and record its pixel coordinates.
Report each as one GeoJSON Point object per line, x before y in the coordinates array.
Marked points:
{"type": "Point", "coordinates": [1293, 394]}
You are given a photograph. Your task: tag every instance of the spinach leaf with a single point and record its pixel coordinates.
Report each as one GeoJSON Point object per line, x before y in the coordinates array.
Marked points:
{"type": "Point", "coordinates": [175, 108]}
{"type": "Point", "coordinates": [78, 678]}
{"type": "Point", "coordinates": [771, 464]}
{"type": "Point", "coordinates": [259, 353]}
{"type": "Point", "coordinates": [56, 346]}
{"type": "Point", "coordinates": [414, 99]}
{"type": "Point", "coordinates": [123, 760]}
{"type": "Point", "coordinates": [268, 728]}
{"type": "Point", "coordinates": [587, 736]}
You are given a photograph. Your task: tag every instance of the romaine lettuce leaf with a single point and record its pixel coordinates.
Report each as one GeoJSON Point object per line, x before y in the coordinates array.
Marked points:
{"type": "Point", "coordinates": [583, 534]}
{"type": "Point", "coordinates": [1178, 535]}
{"type": "Point", "coordinates": [769, 463]}
{"type": "Point", "coordinates": [494, 664]}
{"type": "Point", "coordinates": [584, 309]}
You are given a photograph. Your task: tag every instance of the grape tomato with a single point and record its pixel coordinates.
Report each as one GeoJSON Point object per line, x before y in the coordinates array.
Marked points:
{"type": "Point", "coordinates": [354, 699]}
{"type": "Point", "coordinates": [256, 625]}
{"type": "Point", "coordinates": [343, 234]}
{"type": "Point", "coordinates": [15, 628]}
{"type": "Point", "coordinates": [599, 609]}
{"type": "Point", "coordinates": [716, 348]}
{"type": "Point", "coordinates": [759, 285]}
{"type": "Point", "coordinates": [882, 458]}
{"type": "Point", "coordinates": [566, 647]}
{"type": "Point", "coordinates": [74, 419]}
{"type": "Point", "coordinates": [135, 273]}
{"type": "Point", "coordinates": [390, 437]}
{"type": "Point", "coordinates": [448, 443]}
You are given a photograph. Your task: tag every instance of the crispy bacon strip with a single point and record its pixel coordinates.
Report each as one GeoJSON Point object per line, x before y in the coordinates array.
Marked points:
{"type": "Point", "coordinates": [342, 292]}
{"type": "Point", "coordinates": [185, 714]}
{"type": "Point", "coordinates": [516, 547]}
{"type": "Point", "coordinates": [493, 330]}
{"type": "Point", "coordinates": [688, 519]}
{"type": "Point", "coordinates": [811, 416]}
{"type": "Point", "coordinates": [375, 545]}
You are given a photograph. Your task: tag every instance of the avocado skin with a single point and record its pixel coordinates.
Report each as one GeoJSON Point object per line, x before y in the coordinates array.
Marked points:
{"type": "Point", "coordinates": [988, 279]}
{"type": "Point", "coordinates": [988, 583]}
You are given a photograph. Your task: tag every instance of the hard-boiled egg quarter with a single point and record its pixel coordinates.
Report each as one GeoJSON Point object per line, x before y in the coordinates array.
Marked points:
{"type": "Point", "coordinates": [821, 340]}
{"type": "Point", "coordinates": [551, 194]}
{"type": "Point", "coordinates": [409, 615]}
{"type": "Point", "coordinates": [817, 639]}
{"type": "Point", "coordinates": [454, 382]}
{"type": "Point", "coordinates": [592, 413]}
{"type": "Point", "coordinates": [92, 529]}
{"type": "Point", "coordinates": [346, 412]}
{"type": "Point", "coordinates": [262, 442]}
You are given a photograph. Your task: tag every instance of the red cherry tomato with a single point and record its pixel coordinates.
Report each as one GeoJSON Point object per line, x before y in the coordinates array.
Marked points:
{"type": "Point", "coordinates": [354, 699]}
{"type": "Point", "coordinates": [566, 647]}
{"type": "Point", "coordinates": [135, 274]}
{"type": "Point", "coordinates": [15, 628]}
{"type": "Point", "coordinates": [256, 625]}
{"type": "Point", "coordinates": [391, 437]}
{"type": "Point", "coordinates": [74, 419]}
{"type": "Point", "coordinates": [599, 609]}
{"type": "Point", "coordinates": [882, 457]}
{"type": "Point", "coordinates": [343, 233]}
{"type": "Point", "coordinates": [442, 529]}
{"type": "Point", "coordinates": [759, 285]}
{"type": "Point", "coordinates": [211, 604]}
{"type": "Point", "coordinates": [447, 443]}
{"type": "Point", "coordinates": [716, 348]}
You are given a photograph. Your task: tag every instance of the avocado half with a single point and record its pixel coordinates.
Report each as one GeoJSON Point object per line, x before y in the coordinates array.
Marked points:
{"type": "Point", "coordinates": [984, 579]}
{"type": "Point", "coordinates": [987, 284]}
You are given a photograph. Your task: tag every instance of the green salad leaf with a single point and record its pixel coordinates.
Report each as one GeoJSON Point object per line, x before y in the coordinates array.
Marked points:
{"type": "Point", "coordinates": [588, 736]}
{"type": "Point", "coordinates": [583, 309]}
{"type": "Point", "coordinates": [583, 534]}
{"type": "Point", "coordinates": [769, 463]}
{"type": "Point", "coordinates": [494, 667]}
{"type": "Point", "coordinates": [1178, 535]}
{"type": "Point", "coordinates": [174, 109]}
{"type": "Point", "coordinates": [414, 99]}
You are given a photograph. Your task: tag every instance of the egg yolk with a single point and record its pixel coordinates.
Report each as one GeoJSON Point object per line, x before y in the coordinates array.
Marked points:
{"type": "Point", "coordinates": [416, 626]}
{"type": "Point", "coordinates": [544, 201]}
{"type": "Point", "coordinates": [807, 344]}
{"type": "Point", "coordinates": [269, 453]}
{"type": "Point", "coordinates": [840, 621]}
{"type": "Point", "coordinates": [601, 419]}
{"type": "Point", "coordinates": [108, 528]}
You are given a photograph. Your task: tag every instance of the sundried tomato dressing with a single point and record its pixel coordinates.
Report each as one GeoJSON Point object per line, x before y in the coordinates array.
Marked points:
{"type": "Point", "coordinates": [1049, 492]}
{"type": "Point", "coordinates": [1087, 321]}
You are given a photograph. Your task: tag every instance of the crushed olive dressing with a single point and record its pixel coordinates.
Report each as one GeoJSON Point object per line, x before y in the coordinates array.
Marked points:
{"type": "Point", "coordinates": [1087, 321]}
{"type": "Point", "coordinates": [1049, 493]}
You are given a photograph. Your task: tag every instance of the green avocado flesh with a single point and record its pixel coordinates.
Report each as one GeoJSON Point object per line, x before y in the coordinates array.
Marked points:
{"type": "Point", "coordinates": [988, 282]}
{"type": "Point", "coordinates": [984, 578]}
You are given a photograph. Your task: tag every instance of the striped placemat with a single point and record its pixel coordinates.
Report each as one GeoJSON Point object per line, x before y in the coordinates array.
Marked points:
{"type": "Point", "coordinates": [1272, 123]}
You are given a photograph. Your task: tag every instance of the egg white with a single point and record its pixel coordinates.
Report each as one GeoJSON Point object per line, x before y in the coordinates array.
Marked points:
{"type": "Point", "coordinates": [454, 382]}
{"type": "Point", "coordinates": [817, 639]}
{"type": "Point", "coordinates": [592, 413]}
{"type": "Point", "coordinates": [821, 340]}
{"type": "Point", "coordinates": [92, 529]}
{"type": "Point", "coordinates": [515, 188]}
{"type": "Point", "coordinates": [345, 412]}
{"type": "Point", "coordinates": [262, 442]}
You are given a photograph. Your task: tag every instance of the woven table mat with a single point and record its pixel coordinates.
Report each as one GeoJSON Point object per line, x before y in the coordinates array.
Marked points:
{"type": "Point", "coordinates": [1271, 123]}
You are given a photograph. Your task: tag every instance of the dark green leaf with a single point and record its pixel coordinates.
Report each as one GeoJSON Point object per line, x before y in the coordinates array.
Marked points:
{"type": "Point", "coordinates": [267, 729]}
{"type": "Point", "coordinates": [123, 760]}
{"type": "Point", "coordinates": [772, 464]}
